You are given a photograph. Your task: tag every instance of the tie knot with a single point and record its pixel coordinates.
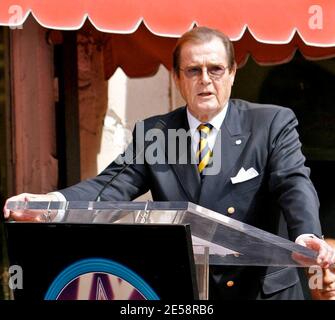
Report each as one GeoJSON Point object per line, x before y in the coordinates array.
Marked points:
{"type": "Point", "coordinates": [205, 128]}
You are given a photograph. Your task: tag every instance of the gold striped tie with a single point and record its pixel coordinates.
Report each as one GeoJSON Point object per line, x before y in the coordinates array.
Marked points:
{"type": "Point", "coordinates": [204, 153]}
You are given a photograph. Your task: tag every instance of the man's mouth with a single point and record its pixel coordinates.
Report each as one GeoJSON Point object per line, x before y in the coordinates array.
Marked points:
{"type": "Point", "coordinates": [330, 293]}
{"type": "Point", "coordinates": [205, 94]}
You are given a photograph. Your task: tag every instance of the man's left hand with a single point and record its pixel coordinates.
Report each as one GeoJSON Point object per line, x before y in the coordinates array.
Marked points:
{"type": "Point", "coordinates": [326, 254]}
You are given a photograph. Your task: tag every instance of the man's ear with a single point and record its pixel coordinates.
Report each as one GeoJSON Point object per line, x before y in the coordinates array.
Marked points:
{"type": "Point", "coordinates": [232, 73]}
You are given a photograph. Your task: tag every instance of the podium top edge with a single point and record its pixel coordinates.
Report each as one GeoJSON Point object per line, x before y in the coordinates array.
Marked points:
{"type": "Point", "coordinates": [99, 205]}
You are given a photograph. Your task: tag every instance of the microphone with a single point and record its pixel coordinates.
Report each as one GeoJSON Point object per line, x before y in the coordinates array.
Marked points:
{"type": "Point", "coordinates": [160, 124]}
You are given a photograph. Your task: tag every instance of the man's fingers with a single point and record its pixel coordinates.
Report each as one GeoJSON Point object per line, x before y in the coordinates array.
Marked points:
{"type": "Point", "coordinates": [26, 215]}
{"type": "Point", "coordinates": [322, 256]}
{"type": "Point", "coordinates": [330, 259]}
{"type": "Point", "coordinates": [302, 259]}
{"type": "Point", "coordinates": [7, 212]}
{"type": "Point", "coordinates": [326, 255]}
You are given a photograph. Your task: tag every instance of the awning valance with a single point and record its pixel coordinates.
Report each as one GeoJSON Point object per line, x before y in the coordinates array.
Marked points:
{"type": "Point", "coordinates": [270, 21]}
{"type": "Point", "coordinates": [141, 53]}
{"type": "Point", "coordinates": [270, 31]}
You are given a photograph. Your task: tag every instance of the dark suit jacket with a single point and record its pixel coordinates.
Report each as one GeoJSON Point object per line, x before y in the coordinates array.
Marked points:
{"type": "Point", "coordinates": [270, 144]}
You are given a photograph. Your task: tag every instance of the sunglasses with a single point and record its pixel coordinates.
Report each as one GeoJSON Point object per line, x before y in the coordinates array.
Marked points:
{"type": "Point", "coordinates": [214, 71]}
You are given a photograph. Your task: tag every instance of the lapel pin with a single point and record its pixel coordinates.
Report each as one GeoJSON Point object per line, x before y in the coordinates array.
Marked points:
{"type": "Point", "coordinates": [239, 141]}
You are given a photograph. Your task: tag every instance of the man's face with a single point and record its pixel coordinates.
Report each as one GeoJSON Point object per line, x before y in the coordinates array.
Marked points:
{"type": "Point", "coordinates": [204, 80]}
{"type": "Point", "coordinates": [327, 292]}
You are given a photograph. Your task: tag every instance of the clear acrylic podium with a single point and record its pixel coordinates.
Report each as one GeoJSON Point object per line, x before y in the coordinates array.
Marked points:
{"type": "Point", "coordinates": [216, 239]}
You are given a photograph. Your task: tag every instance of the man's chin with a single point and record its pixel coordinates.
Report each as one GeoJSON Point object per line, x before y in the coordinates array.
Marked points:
{"type": "Point", "coordinates": [209, 108]}
{"type": "Point", "coordinates": [205, 111]}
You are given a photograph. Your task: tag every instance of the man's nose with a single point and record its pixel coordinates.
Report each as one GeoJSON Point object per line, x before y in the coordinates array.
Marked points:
{"type": "Point", "coordinates": [328, 277]}
{"type": "Point", "coordinates": [205, 79]}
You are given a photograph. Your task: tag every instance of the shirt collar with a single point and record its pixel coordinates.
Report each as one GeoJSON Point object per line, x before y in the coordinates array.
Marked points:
{"type": "Point", "coordinates": [216, 122]}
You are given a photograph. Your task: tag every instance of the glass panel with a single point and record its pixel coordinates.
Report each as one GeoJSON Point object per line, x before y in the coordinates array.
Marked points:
{"type": "Point", "coordinates": [230, 242]}
{"type": "Point", "coordinates": [201, 259]}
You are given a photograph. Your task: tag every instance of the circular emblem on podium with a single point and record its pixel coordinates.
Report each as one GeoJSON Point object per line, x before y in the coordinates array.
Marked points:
{"type": "Point", "coordinates": [99, 279]}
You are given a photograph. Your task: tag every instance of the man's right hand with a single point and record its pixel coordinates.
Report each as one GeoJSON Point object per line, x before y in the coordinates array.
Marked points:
{"type": "Point", "coordinates": [30, 215]}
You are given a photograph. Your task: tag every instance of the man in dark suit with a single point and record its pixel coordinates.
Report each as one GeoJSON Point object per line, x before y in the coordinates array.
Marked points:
{"type": "Point", "coordinates": [261, 174]}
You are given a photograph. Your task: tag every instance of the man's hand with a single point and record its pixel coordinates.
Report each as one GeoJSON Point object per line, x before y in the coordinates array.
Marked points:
{"type": "Point", "coordinates": [30, 215]}
{"type": "Point", "coordinates": [326, 254]}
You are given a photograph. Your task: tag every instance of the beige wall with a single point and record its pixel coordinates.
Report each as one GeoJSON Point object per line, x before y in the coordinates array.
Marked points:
{"type": "Point", "coordinates": [131, 100]}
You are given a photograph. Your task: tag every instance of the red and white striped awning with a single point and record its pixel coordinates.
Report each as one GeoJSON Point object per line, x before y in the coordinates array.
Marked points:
{"type": "Point", "coordinates": [268, 30]}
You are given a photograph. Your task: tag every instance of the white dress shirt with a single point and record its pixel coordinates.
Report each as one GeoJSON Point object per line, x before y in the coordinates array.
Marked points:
{"type": "Point", "coordinates": [216, 122]}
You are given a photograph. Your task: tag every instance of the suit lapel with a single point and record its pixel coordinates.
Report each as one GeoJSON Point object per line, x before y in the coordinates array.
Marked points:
{"type": "Point", "coordinates": [229, 146]}
{"type": "Point", "coordinates": [185, 167]}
